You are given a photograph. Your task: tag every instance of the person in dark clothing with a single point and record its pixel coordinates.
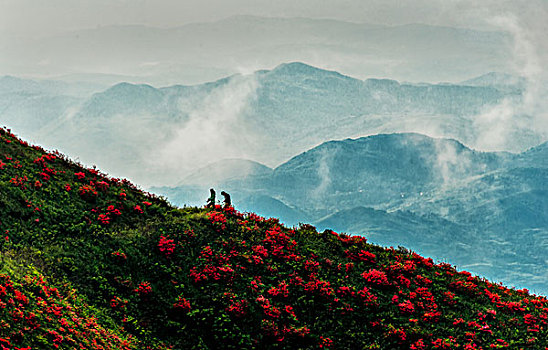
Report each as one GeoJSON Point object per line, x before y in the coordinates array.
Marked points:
{"type": "Point", "coordinates": [227, 202]}
{"type": "Point", "coordinates": [211, 199]}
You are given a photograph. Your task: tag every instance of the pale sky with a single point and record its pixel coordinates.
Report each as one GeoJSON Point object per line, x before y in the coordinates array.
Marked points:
{"type": "Point", "coordinates": [43, 17]}
{"type": "Point", "coordinates": [24, 21]}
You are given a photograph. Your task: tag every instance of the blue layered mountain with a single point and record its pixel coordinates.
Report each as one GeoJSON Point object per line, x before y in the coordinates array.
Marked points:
{"type": "Point", "coordinates": [276, 113]}
{"type": "Point", "coordinates": [39, 106]}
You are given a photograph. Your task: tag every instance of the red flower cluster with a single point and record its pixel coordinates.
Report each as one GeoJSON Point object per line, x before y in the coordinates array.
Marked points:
{"type": "Point", "coordinates": [183, 305]}
{"type": "Point", "coordinates": [104, 219]}
{"type": "Point", "coordinates": [268, 308]}
{"type": "Point", "coordinates": [166, 246]}
{"type": "Point", "coordinates": [113, 211]}
{"type": "Point", "coordinates": [19, 181]}
{"type": "Point", "coordinates": [118, 303]}
{"type": "Point", "coordinates": [377, 277]}
{"type": "Point", "coordinates": [406, 307]}
{"type": "Point", "coordinates": [218, 220]}
{"type": "Point", "coordinates": [325, 342]}
{"type": "Point", "coordinates": [87, 192]}
{"type": "Point", "coordinates": [102, 185]}
{"type": "Point", "coordinates": [237, 307]}
{"type": "Point", "coordinates": [119, 256]}
{"type": "Point", "coordinates": [144, 289]}
{"type": "Point", "coordinates": [280, 290]}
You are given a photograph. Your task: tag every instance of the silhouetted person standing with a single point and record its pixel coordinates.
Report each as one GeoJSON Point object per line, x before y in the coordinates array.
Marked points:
{"type": "Point", "coordinates": [227, 202]}
{"type": "Point", "coordinates": [211, 199]}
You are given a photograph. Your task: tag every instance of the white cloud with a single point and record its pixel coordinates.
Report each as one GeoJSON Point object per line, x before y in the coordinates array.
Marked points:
{"type": "Point", "coordinates": [215, 130]}
{"type": "Point", "coordinates": [504, 126]}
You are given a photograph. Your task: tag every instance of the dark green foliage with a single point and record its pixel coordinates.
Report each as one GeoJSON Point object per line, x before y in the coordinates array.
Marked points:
{"type": "Point", "coordinates": [216, 278]}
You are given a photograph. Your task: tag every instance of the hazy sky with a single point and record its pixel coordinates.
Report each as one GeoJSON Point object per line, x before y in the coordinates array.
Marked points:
{"type": "Point", "coordinates": [24, 21]}
{"type": "Point", "coordinates": [39, 17]}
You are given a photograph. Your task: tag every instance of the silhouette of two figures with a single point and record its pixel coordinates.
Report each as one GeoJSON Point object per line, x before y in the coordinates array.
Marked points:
{"type": "Point", "coordinates": [211, 200]}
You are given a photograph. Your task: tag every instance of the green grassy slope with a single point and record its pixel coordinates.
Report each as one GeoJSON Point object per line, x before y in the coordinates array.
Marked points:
{"type": "Point", "coordinates": [124, 269]}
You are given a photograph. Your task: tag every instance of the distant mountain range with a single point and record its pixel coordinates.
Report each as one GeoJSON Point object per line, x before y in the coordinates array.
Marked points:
{"type": "Point", "coordinates": [498, 80]}
{"type": "Point", "coordinates": [200, 52]}
{"type": "Point", "coordinates": [159, 135]}
{"type": "Point", "coordinates": [485, 211]}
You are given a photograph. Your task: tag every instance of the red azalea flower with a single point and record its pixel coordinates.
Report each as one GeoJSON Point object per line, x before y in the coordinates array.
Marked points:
{"type": "Point", "coordinates": [166, 246]}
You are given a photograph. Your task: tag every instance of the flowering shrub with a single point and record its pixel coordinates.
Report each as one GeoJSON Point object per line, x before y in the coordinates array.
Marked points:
{"type": "Point", "coordinates": [87, 192]}
{"type": "Point", "coordinates": [406, 307]}
{"type": "Point", "coordinates": [166, 246]}
{"type": "Point", "coordinates": [118, 303]}
{"type": "Point", "coordinates": [104, 219]}
{"type": "Point", "coordinates": [218, 220]}
{"type": "Point", "coordinates": [102, 185]}
{"type": "Point", "coordinates": [182, 305]}
{"type": "Point", "coordinates": [119, 256]}
{"type": "Point", "coordinates": [41, 317]}
{"type": "Point", "coordinates": [377, 277]}
{"type": "Point", "coordinates": [144, 289]}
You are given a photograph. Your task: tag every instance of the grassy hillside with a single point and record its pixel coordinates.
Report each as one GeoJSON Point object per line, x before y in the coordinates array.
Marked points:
{"type": "Point", "coordinates": [92, 262]}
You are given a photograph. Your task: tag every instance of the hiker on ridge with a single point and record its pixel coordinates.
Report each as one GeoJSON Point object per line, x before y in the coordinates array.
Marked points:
{"type": "Point", "coordinates": [211, 199]}
{"type": "Point", "coordinates": [227, 202]}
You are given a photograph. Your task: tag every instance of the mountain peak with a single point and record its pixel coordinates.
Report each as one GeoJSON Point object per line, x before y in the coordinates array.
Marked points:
{"type": "Point", "coordinates": [125, 86]}
{"type": "Point", "coordinates": [399, 139]}
{"type": "Point", "coordinates": [224, 170]}
{"type": "Point", "coordinates": [131, 98]}
{"type": "Point", "coordinates": [495, 79]}
{"type": "Point", "coordinates": [300, 68]}
{"type": "Point", "coordinates": [124, 90]}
